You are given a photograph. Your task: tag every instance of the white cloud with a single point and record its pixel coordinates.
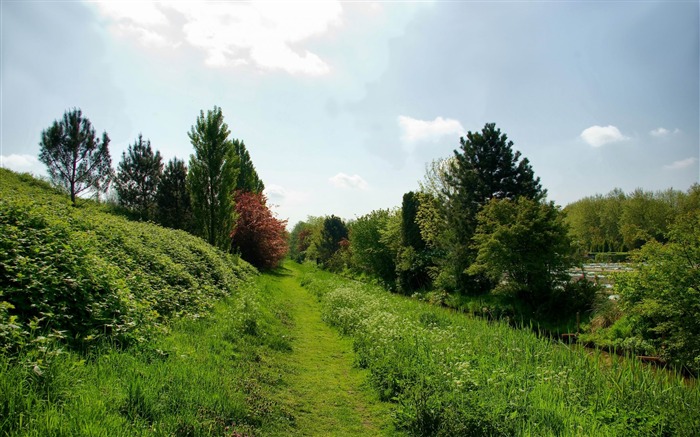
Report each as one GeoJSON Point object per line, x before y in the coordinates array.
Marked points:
{"type": "Point", "coordinates": [662, 132]}
{"type": "Point", "coordinates": [278, 194]}
{"type": "Point", "coordinates": [681, 164]}
{"type": "Point", "coordinates": [598, 136]}
{"type": "Point", "coordinates": [414, 130]}
{"type": "Point", "coordinates": [264, 34]}
{"type": "Point", "coordinates": [21, 163]}
{"type": "Point", "coordinates": [341, 180]}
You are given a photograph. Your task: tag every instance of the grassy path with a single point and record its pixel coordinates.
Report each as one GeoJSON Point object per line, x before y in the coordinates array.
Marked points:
{"type": "Point", "coordinates": [327, 395]}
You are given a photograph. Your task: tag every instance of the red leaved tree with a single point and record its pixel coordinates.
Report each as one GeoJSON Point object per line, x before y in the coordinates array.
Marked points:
{"type": "Point", "coordinates": [258, 236]}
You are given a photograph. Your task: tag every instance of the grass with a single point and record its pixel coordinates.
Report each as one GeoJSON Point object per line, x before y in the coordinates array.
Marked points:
{"type": "Point", "coordinates": [450, 374]}
{"type": "Point", "coordinates": [328, 394]}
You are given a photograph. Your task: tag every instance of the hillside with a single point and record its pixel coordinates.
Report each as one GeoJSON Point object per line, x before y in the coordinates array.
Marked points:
{"type": "Point", "coordinates": [83, 274]}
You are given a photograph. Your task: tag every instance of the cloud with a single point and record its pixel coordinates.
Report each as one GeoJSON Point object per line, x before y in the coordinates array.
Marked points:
{"type": "Point", "coordinates": [341, 180]}
{"type": "Point", "coordinates": [598, 136]}
{"type": "Point", "coordinates": [414, 130]}
{"type": "Point", "coordinates": [662, 132]}
{"type": "Point", "coordinates": [21, 163]}
{"type": "Point", "coordinates": [681, 164]}
{"type": "Point", "coordinates": [278, 194]}
{"type": "Point", "coordinates": [259, 33]}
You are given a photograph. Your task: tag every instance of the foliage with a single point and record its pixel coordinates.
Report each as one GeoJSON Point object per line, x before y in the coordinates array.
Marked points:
{"type": "Point", "coordinates": [138, 176]}
{"type": "Point", "coordinates": [81, 274]}
{"type": "Point", "coordinates": [203, 378]}
{"type": "Point", "coordinates": [213, 172]}
{"type": "Point", "coordinates": [413, 260]}
{"type": "Point", "coordinates": [332, 233]}
{"type": "Point", "coordinates": [248, 179]}
{"type": "Point", "coordinates": [173, 200]}
{"type": "Point", "coordinates": [454, 375]}
{"type": "Point", "coordinates": [523, 245]}
{"type": "Point", "coordinates": [76, 159]}
{"type": "Point", "coordinates": [370, 256]}
{"type": "Point", "coordinates": [259, 237]}
{"type": "Point", "coordinates": [484, 168]}
{"type": "Point", "coordinates": [300, 240]}
{"type": "Point", "coordinates": [661, 297]}
{"type": "Point", "coordinates": [619, 222]}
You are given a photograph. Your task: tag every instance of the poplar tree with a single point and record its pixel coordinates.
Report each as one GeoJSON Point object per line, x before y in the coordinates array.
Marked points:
{"type": "Point", "coordinates": [211, 179]}
{"type": "Point", "coordinates": [248, 179]}
{"type": "Point", "coordinates": [76, 159]}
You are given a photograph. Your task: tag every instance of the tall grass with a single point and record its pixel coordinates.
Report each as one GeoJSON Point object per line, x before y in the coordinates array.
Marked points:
{"type": "Point", "coordinates": [455, 375]}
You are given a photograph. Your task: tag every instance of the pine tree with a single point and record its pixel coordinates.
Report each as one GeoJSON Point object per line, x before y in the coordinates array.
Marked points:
{"type": "Point", "coordinates": [484, 168]}
{"type": "Point", "coordinates": [75, 158]}
{"type": "Point", "coordinates": [211, 179]}
{"type": "Point", "coordinates": [137, 178]}
{"type": "Point", "coordinates": [173, 200]}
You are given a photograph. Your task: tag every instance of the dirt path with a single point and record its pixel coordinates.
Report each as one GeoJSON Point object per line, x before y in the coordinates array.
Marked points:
{"type": "Point", "coordinates": [329, 397]}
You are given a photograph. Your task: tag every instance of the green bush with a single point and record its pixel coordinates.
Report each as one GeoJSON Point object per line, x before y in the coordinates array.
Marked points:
{"type": "Point", "coordinates": [82, 274]}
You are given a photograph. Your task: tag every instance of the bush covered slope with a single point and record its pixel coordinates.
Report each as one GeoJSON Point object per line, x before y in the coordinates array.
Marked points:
{"type": "Point", "coordinates": [83, 274]}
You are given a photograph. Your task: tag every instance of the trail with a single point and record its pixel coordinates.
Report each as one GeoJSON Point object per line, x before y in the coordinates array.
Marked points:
{"type": "Point", "coordinates": [326, 393]}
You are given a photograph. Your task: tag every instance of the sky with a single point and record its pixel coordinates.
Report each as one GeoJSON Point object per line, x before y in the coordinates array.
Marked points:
{"type": "Point", "coordinates": [342, 104]}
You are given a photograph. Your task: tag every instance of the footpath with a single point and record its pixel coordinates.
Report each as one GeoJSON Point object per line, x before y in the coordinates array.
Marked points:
{"type": "Point", "coordinates": [326, 393]}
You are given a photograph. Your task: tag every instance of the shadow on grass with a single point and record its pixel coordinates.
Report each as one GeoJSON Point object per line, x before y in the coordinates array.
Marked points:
{"type": "Point", "coordinates": [280, 272]}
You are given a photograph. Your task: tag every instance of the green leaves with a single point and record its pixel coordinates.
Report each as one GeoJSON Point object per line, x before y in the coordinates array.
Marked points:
{"type": "Point", "coordinates": [95, 275]}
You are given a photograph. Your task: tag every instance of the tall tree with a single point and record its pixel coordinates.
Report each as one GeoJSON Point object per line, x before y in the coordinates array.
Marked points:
{"type": "Point", "coordinates": [173, 199]}
{"type": "Point", "coordinates": [484, 168]}
{"type": "Point", "coordinates": [76, 159]}
{"type": "Point", "coordinates": [413, 260]}
{"type": "Point", "coordinates": [248, 179]}
{"type": "Point", "coordinates": [138, 176]}
{"type": "Point", "coordinates": [213, 171]}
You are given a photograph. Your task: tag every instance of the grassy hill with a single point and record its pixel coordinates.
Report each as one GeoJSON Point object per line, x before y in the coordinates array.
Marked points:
{"type": "Point", "coordinates": [83, 274]}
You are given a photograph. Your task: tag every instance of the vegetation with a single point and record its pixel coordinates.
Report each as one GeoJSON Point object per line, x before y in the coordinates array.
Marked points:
{"type": "Point", "coordinates": [75, 158]}
{"type": "Point", "coordinates": [259, 237]}
{"type": "Point", "coordinates": [660, 299]}
{"type": "Point", "coordinates": [138, 177]}
{"type": "Point", "coordinates": [453, 375]}
{"type": "Point", "coordinates": [172, 198]}
{"type": "Point", "coordinates": [213, 172]}
{"type": "Point", "coordinates": [82, 275]}
{"type": "Point", "coordinates": [248, 179]}
{"type": "Point", "coordinates": [619, 222]}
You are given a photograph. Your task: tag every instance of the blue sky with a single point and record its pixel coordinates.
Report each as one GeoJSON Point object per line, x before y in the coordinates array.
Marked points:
{"type": "Point", "coordinates": [342, 104]}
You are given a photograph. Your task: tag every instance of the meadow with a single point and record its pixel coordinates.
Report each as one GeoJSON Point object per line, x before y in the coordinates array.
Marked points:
{"type": "Point", "coordinates": [449, 374]}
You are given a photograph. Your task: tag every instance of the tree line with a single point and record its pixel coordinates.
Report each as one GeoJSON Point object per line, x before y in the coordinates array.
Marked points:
{"type": "Point", "coordinates": [218, 195]}
{"type": "Point", "coordinates": [619, 222]}
{"type": "Point", "coordinates": [480, 223]}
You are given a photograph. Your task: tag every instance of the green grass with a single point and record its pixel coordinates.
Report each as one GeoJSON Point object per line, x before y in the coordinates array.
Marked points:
{"type": "Point", "coordinates": [450, 374]}
{"type": "Point", "coordinates": [328, 394]}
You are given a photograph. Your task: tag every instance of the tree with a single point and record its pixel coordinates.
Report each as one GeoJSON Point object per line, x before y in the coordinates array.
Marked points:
{"type": "Point", "coordinates": [211, 179]}
{"type": "Point", "coordinates": [260, 238]}
{"type": "Point", "coordinates": [138, 176]}
{"type": "Point", "coordinates": [523, 245]}
{"type": "Point", "coordinates": [332, 233]}
{"type": "Point", "coordinates": [413, 260]}
{"type": "Point", "coordinates": [661, 296]}
{"type": "Point", "coordinates": [173, 200]}
{"type": "Point", "coordinates": [484, 168]}
{"type": "Point", "coordinates": [369, 253]}
{"type": "Point", "coordinates": [248, 179]}
{"type": "Point", "coordinates": [76, 159]}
